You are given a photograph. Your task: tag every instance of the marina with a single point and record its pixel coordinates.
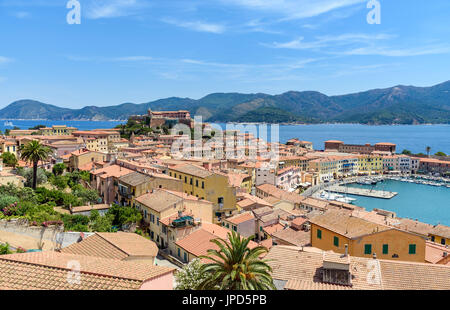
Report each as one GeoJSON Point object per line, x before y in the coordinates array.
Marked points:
{"type": "Point", "coordinates": [362, 192]}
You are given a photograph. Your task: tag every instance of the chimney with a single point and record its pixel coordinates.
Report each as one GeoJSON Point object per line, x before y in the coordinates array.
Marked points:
{"type": "Point", "coordinates": [346, 250]}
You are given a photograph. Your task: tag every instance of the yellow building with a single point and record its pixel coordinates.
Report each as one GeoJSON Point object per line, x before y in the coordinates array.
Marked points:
{"type": "Point", "coordinates": [159, 206]}
{"type": "Point", "coordinates": [8, 146]}
{"type": "Point", "coordinates": [207, 185]}
{"type": "Point", "coordinates": [440, 234]}
{"type": "Point", "coordinates": [57, 130]}
{"type": "Point", "coordinates": [369, 164]}
{"type": "Point", "coordinates": [335, 230]}
{"type": "Point", "coordinates": [81, 158]}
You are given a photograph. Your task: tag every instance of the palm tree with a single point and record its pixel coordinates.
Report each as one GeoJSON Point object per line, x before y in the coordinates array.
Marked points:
{"type": "Point", "coordinates": [34, 152]}
{"type": "Point", "coordinates": [236, 267]}
{"type": "Point", "coordinates": [428, 150]}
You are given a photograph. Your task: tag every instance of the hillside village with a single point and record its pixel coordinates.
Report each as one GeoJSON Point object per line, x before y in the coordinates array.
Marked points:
{"type": "Point", "coordinates": [178, 194]}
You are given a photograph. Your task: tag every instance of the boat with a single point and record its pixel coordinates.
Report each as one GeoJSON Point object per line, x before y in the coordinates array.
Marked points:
{"type": "Point", "coordinates": [8, 124]}
{"type": "Point", "coordinates": [345, 199]}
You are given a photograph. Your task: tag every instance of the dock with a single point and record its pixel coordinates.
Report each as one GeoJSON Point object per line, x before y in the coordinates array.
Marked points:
{"type": "Point", "coordinates": [361, 192]}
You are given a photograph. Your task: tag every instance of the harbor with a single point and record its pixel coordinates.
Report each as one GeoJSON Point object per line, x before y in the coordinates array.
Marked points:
{"type": "Point", "coordinates": [362, 192]}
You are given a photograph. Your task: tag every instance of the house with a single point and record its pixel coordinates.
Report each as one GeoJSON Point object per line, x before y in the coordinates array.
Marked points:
{"type": "Point", "coordinates": [440, 234]}
{"type": "Point", "coordinates": [289, 236]}
{"type": "Point", "coordinates": [305, 268]}
{"type": "Point", "coordinates": [104, 181]}
{"type": "Point", "coordinates": [121, 245]}
{"type": "Point", "coordinates": [243, 223]}
{"type": "Point", "coordinates": [266, 190]}
{"type": "Point", "coordinates": [58, 271]}
{"type": "Point", "coordinates": [335, 231]}
{"type": "Point", "coordinates": [199, 242]}
{"type": "Point", "coordinates": [437, 254]}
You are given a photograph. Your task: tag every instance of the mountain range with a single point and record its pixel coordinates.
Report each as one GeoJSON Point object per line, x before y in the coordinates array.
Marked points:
{"type": "Point", "coordinates": [395, 105]}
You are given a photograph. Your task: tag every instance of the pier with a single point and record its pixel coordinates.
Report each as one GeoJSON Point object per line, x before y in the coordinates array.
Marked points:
{"type": "Point", "coordinates": [361, 192]}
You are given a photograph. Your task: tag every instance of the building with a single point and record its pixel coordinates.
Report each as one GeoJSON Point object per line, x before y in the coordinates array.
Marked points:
{"type": "Point", "coordinates": [104, 181]}
{"type": "Point", "coordinates": [50, 270]}
{"type": "Point", "coordinates": [305, 268]}
{"type": "Point", "coordinates": [340, 232]}
{"type": "Point", "coordinates": [440, 234]}
{"type": "Point", "coordinates": [83, 158]}
{"type": "Point", "coordinates": [339, 146]}
{"type": "Point", "coordinates": [207, 185]}
{"type": "Point", "coordinates": [242, 223]}
{"type": "Point", "coordinates": [432, 165]}
{"type": "Point", "coordinates": [265, 191]}
{"type": "Point", "coordinates": [57, 130]}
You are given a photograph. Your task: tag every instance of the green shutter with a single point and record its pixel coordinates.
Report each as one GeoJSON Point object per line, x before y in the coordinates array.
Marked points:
{"type": "Point", "coordinates": [412, 249]}
{"type": "Point", "coordinates": [319, 234]}
{"type": "Point", "coordinates": [367, 249]}
{"type": "Point", "coordinates": [385, 249]}
{"type": "Point", "coordinates": [336, 241]}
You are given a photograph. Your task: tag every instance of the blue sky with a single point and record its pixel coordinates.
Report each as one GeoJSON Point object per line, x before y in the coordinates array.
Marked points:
{"type": "Point", "coordinates": [142, 50]}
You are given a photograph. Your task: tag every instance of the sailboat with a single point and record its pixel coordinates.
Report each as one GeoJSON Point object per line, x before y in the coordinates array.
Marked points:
{"type": "Point", "coordinates": [8, 124]}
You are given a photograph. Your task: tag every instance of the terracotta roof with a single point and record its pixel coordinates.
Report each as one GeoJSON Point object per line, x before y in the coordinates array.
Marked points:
{"type": "Point", "coordinates": [159, 200]}
{"type": "Point", "coordinates": [192, 170]}
{"type": "Point", "coordinates": [49, 271]}
{"type": "Point", "coordinates": [305, 265]}
{"type": "Point", "coordinates": [441, 230]}
{"type": "Point", "coordinates": [112, 171]}
{"type": "Point", "coordinates": [294, 237]}
{"type": "Point", "coordinates": [281, 194]}
{"type": "Point", "coordinates": [240, 218]}
{"type": "Point", "coordinates": [434, 253]}
{"type": "Point", "coordinates": [345, 225]}
{"type": "Point", "coordinates": [118, 245]}
{"type": "Point", "coordinates": [271, 229]}
{"type": "Point", "coordinates": [89, 208]}
{"type": "Point", "coordinates": [135, 178]}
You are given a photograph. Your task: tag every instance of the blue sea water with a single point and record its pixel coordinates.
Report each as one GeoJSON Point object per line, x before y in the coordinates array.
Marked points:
{"type": "Point", "coordinates": [429, 204]}
{"type": "Point", "coordinates": [81, 125]}
{"type": "Point", "coordinates": [414, 138]}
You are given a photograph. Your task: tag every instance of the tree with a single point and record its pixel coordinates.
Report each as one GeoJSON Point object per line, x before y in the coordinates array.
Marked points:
{"type": "Point", "coordinates": [406, 152]}
{"type": "Point", "coordinates": [428, 150]}
{"type": "Point", "coordinates": [236, 267]}
{"type": "Point", "coordinates": [28, 174]}
{"type": "Point", "coordinates": [440, 154]}
{"type": "Point", "coordinates": [34, 152]}
{"type": "Point", "coordinates": [191, 276]}
{"type": "Point", "coordinates": [59, 169]}
{"type": "Point", "coordinates": [9, 159]}
{"type": "Point", "coordinates": [4, 249]}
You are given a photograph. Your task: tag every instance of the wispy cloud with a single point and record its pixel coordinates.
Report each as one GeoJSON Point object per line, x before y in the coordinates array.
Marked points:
{"type": "Point", "coordinates": [97, 9]}
{"type": "Point", "coordinates": [295, 9]}
{"type": "Point", "coordinates": [132, 58]}
{"type": "Point", "coordinates": [21, 14]}
{"type": "Point", "coordinates": [326, 41]}
{"type": "Point", "coordinates": [196, 25]}
{"type": "Point", "coordinates": [396, 52]}
{"type": "Point", "coordinates": [4, 60]}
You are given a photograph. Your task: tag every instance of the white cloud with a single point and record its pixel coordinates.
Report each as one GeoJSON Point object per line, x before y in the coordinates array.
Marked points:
{"type": "Point", "coordinates": [132, 58]}
{"type": "Point", "coordinates": [325, 41]}
{"type": "Point", "coordinates": [295, 9]}
{"type": "Point", "coordinates": [21, 14]}
{"type": "Point", "coordinates": [4, 60]}
{"type": "Point", "coordinates": [97, 9]}
{"type": "Point", "coordinates": [196, 25]}
{"type": "Point", "coordinates": [394, 52]}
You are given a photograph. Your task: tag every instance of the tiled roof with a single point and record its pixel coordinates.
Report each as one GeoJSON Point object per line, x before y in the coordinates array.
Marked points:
{"type": "Point", "coordinates": [305, 266]}
{"type": "Point", "coordinates": [294, 237]}
{"type": "Point", "coordinates": [50, 271]}
{"type": "Point", "coordinates": [434, 253]}
{"type": "Point", "coordinates": [240, 218]}
{"type": "Point", "coordinates": [281, 194]}
{"type": "Point", "coordinates": [345, 225]}
{"type": "Point", "coordinates": [192, 170]}
{"type": "Point", "coordinates": [135, 178]}
{"type": "Point", "coordinates": [441, 230]}
{"type": "Point", "coordinates": [159, 200]}
{"type": "Point", "coordinates": [118, 245]}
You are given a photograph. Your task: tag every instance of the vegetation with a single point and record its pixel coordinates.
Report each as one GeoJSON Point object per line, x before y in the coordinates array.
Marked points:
{"type": "Point", "coordinates": [5, 249]}
{"type": "Point", "coordinates": [30, 176]}
{"type": "Point", "coordinates": [34, 152]}
{"type": "Point", "coordinates": [37, 127]}
{"type": "Point", "coordinates": [9, 159]}
{"type": "Point", "coordinates": [440, 154]}
{"type": "Point", "coordinates": [236, 267]}
{"type": "Point", "coordinates": [133, 127]}
{"type": "Point", "coordinates": [191, 276]}
{"type": "Point", "coordinates": [406, 152]}
{"type": "Point", "coordinates": [59, 169]}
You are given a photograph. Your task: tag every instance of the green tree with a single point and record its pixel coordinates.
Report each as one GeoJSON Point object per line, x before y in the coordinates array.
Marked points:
{"type": "Point", "coordinates": [9, 159]}
{"type": "Point", "coordinates": [59, 169]}
{"type": "Point", "coordinates": [124, 215]}
{"type": "Point", "coordinates": [440, 154]}
{"type": "Point", "coordinates": [191, 276]}
{"type": "Point", "coordinates": [406, 152]}
{"type": "Point", "coordinates": [6, 201]}
{"type": "Point", "coordinates": [29, 175]}
{"type": "Point", "coordinates": [34, 152]}
{"type": "Point", "coordinates": [4, 249]}
{"type": "Point", "coordinates": [236, 267]}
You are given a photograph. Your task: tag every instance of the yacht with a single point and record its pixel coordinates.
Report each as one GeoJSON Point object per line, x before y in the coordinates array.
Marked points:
{"type": "Point", "coordinates": [8, 124]}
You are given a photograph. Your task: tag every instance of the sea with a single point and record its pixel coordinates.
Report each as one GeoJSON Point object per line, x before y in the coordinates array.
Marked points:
{"type": "Point", "coordinates": [423, 202]}
{"type": "Point", "coordinates": [426, 203]}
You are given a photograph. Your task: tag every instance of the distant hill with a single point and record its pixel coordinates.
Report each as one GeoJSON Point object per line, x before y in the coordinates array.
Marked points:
{"type": "Point", "coordinates": [395, 105]}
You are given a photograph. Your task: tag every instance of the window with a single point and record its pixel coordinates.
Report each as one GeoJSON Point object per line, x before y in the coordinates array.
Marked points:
{"type": "Point", "coordinates": [336, 241]}
{"type": "Point", "coordinates": [260, 228]}
{"type": "Point", "coordinates": [190, 182]}
{"type": "Point", "coordinates": [367, 249]}
{"type": "Point", "coordinates": [432, 238]}
{"type": "Point", "coordinates": [385, 249]}
{"type": "Point", "coordinates": [196, 183]}
{"type": "Point", "coordinates": [203, 184]}
{"type": "Point", "coordinates": [179, 254]}
{"type": "Point", "coordinates": [412, 249]}
{"type": "Point", "coordinates": [234, 228]}
{"type": "Point", "coordinates": [443, 241]}
{"type": "Point", "coordinates": [185, 257]}
{"type": "Point", "coordinates": [157, 221]}
{"type": "Point", "coordinates": [319, 234]}
{"type": "Point", "coordinates": [185, 180]}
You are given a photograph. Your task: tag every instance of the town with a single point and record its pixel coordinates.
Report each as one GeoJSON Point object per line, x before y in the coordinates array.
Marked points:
{"type": "Point", "coordinates": [138, 205]}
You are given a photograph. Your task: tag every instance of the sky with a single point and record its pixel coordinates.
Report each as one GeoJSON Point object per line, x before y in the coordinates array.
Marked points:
{"type": "Point", "coordinates": [142, 50]}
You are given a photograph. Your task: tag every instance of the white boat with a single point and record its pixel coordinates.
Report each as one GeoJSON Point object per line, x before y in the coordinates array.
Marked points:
{"type": "Point", "coordinates": [8, 124]}
{"type": "Point", "coordinates": [345, 199]}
